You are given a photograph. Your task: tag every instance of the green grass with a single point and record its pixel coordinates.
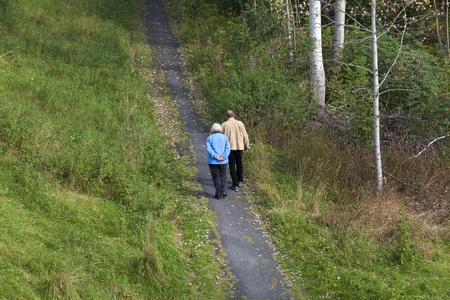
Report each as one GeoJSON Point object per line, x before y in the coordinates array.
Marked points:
{"type": "Point", "coordinates": [362, 248]}
{"type": "Point", "coordinates": [93, 204]}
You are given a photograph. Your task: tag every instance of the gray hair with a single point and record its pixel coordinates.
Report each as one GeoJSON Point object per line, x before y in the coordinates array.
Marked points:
{"type": "Point", "coordinates": [216, 128]}
{"type": "Point", "coordinates": [230, 113]}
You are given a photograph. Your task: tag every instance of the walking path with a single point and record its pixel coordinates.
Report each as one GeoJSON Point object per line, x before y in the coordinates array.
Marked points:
{"type": "Point", "coordinates": [248, 250]}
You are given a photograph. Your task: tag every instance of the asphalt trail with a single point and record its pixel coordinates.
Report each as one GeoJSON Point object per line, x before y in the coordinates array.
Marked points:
{"type": "Point", "coordinates": [248, 250]}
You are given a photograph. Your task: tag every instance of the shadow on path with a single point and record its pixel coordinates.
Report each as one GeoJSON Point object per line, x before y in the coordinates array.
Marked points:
{"type": "Point", "coordinates": [248, 249]}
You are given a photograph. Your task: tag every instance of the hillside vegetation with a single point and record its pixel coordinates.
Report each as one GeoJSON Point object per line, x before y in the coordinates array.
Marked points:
{"type": "Point", "coordinates": [93, 203]}
{"type": "Point", "coordinates": [312, 178]}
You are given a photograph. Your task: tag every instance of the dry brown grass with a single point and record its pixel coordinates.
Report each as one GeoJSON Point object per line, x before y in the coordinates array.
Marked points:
{"type": "Point", "coordinates": [342, 174]}
{"type": "Point", "coordinates": [423, 182]}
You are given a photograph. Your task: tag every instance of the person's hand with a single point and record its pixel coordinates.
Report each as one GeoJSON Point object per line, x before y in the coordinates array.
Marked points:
{"type": "Point", "coordinates": [219, 158]}
{"type": "Point", "coordinates": [246, 149]}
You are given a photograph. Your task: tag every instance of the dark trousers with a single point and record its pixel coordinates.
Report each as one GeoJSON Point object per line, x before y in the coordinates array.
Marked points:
{"type": "Point", "coordinates": [236, 169]}
{"type": "Point", "coordinates": [219, 177]}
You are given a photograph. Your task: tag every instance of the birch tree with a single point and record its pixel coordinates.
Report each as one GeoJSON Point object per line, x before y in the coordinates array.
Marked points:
{"type": "Point", "coordinates": [339, 30]}
{"type": "Point", "coordinates": [436, 24]}
{"type": "Point", "coordinates": [376, 95]}
{"type": "Point", "coordinates": [317, 69]}
{"type": "Point", "coordinates": [446, 25]}
{"type": "Point", "coordinates": [289, 29]}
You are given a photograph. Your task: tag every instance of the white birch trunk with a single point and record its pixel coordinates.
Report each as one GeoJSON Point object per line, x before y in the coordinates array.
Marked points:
{"type": "Point", "coordinates": [376, 94]}
{"type": "Point", "coordinates": [446, 34]}
{"type": "Point", "coordinates": [339, 30]}
{"type": "Point", "coordinates": [436, 20]}
{"type": "Point", "coordinates": [317, 69]}
{"type": "Point", "coordinates": [288, 22]}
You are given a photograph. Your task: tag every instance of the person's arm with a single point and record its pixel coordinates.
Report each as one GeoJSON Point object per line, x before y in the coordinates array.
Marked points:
{"type": "Point", "coordinates": [210, 150]}
{"type": "Point", "coordinates": [245, 135]}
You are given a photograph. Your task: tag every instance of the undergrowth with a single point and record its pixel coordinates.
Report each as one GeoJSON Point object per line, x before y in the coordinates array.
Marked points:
{"type": "Point", "coordinates": [336, 236]}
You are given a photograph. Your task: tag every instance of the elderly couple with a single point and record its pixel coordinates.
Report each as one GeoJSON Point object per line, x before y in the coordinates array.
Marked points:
{"type": "Point", "coordinates": [226, 144]}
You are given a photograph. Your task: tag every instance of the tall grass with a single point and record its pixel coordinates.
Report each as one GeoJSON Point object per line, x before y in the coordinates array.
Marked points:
{"type": "Point", "coordinates": [337, 237]}
{"type": "Point", "coordinates": [340, 238]}
{"type": "Point", "coordinates": [93, 205]}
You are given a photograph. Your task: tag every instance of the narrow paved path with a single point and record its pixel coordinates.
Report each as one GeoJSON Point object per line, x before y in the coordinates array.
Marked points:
{"type": "Point", "coordinates": [249, 253]}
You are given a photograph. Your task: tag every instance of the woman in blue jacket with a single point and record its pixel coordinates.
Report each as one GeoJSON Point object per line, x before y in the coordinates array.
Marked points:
{"type": "Point", "coordinates": [218, 148]}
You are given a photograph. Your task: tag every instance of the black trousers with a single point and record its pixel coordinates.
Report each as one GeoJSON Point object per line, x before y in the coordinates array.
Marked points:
{"type": "Point", "coordinates": [236, 169]}
{"type": "Point", "coordinates": [219, 177]}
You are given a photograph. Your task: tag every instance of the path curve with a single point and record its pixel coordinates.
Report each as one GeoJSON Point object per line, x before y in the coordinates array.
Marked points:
{"type": "Point", "coordinates": [250, 256]}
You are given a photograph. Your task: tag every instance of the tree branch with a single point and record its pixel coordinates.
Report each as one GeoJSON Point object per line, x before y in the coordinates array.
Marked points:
{"type": "Point", "coordinates": [395, 19]}
{"type": "Point", "coordinates": [428, 146]}
{"type": "Point", "coordinates": [352, 65]}
{"type": "Point", "coordinates": [396, 57]}
{"type": "Point", "coordinates": [399, 180]}
{"type": "Point", "coordinates": [392, 90]}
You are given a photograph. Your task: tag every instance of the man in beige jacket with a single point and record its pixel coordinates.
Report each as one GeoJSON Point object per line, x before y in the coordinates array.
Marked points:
{"type": "Point", "coordinates": [237, 135]}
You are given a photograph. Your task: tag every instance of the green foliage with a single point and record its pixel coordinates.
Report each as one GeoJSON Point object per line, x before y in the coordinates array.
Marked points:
{"type": "Point", "coordinates": [413, 85]}
{"type": "Point", "coordinates": [336, 238]}
{"type": "Point", "coordinates": [256, 26]}
{"type": "Point", "coordinates": [259, 95]}
{"type": "Point", "coordinates": [238, 70]}
{"type": "Point", "coordinates": [405, 251]}
{"type": "Point", "coordinates": [434, 95]}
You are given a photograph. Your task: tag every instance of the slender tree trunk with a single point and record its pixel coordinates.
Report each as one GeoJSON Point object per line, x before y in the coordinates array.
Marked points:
{"type": "Point", "coordinates": [339, 30]}
{"type": "Point", "coordinates": [376, 94]}
{"type": "Point", "coordinates": [446, 34]}
{"type": "Point", "coordinates": [436, 20]}
{"type": "Point", "coordinates": [297, 13]}
{"type": "Point", "coordinates": [317, 69]}
{"type": "Point", "coordinates": [288, 22]}
{"type": "Point", "coordinates": [294, 37]}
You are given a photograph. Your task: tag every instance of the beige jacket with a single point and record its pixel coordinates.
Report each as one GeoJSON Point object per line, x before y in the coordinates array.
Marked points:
{"type": "Point", "coordinates": [236, 133]}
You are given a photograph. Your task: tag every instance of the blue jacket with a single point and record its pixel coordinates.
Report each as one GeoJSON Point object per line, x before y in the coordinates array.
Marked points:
{"type": "Point", "coordinates": [217, 145]}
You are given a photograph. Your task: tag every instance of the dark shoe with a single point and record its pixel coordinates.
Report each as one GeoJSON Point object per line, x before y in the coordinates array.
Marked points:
{"type": "Point", "coordinates": [217, 196]}
{"type": "Point", "coordinates": [224, 195]}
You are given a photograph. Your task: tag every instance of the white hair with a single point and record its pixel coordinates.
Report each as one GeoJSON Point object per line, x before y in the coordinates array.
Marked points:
{"type": "Point", "coordinates": [216, 127]}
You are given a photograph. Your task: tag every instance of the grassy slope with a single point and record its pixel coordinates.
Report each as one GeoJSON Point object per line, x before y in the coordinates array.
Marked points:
{"type": "Point", "coordinates": [336, 238]}
{"type": "Point", "coordinates": [88, 207]}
